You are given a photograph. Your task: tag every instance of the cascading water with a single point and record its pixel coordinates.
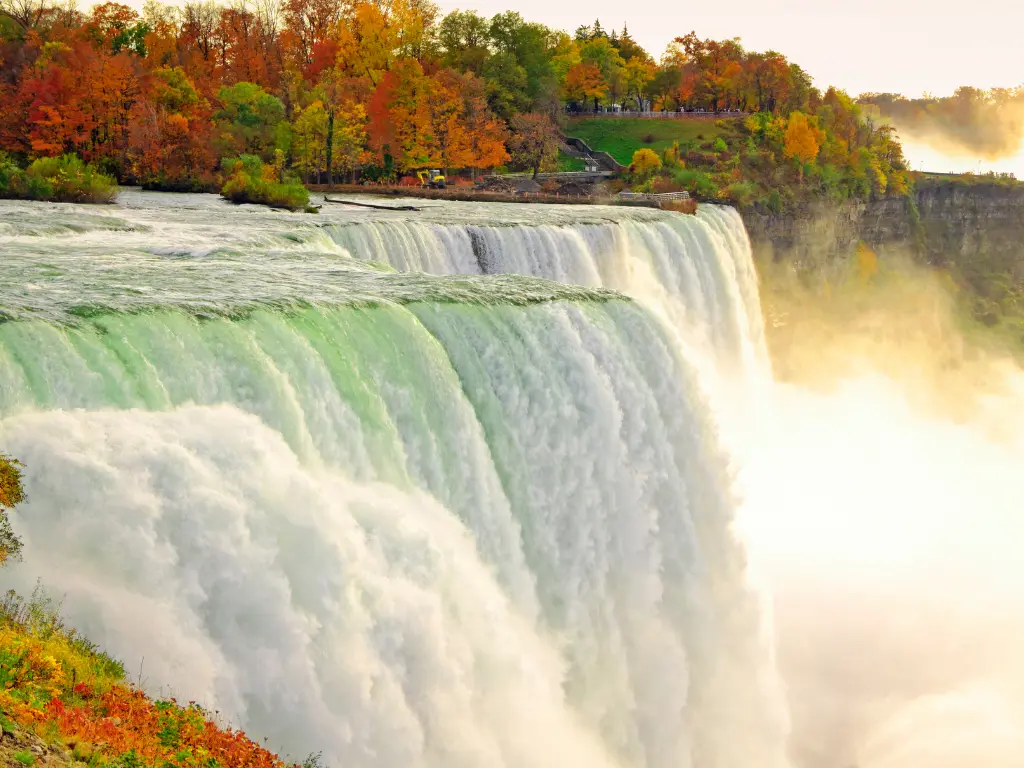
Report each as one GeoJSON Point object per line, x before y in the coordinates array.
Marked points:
{"type": "Point", "coordinates": [464, 519]}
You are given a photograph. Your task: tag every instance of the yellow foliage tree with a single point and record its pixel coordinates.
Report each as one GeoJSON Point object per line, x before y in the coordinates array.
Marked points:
{"type": "Point", "coordinates": [803, 139]}
{"type": "Point", "coordinates": [645, 162]}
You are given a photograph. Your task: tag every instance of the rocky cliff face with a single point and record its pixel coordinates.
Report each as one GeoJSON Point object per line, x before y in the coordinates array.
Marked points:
{"type": "Point", "coordinates": [975, 230]}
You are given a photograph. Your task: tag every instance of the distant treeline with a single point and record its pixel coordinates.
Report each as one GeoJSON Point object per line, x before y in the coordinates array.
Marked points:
{"type": "Point", "coordinates": [989, 124]}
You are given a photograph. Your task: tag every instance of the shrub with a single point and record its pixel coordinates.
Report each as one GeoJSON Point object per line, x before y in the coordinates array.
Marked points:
{"type": "Point", "coordinates": [743, 192]}
{"type": "Point", "coordinates": [11, 494]}
{"type": "Point", "coordinates": [64, 179]}
{"type": "Point", "coordinates": [648, 138]}
{"type": "Point", "coordinates": [720, 145]}
{"type": "Point", "coordinates": [696, 182]}
{"type": "Point", "coordinates": [9, 170]}
{"type": "Point", "coordinates": [645, 163]}
{"type": "Point", "coordinates": [250, 181]}
{"type": "Point", "coordinates": [662, 184]}
{"type": "Point", "coordinates": [204, 183]}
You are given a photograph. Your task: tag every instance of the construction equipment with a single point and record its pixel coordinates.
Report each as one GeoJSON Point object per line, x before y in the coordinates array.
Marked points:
{"type": "Point", "coordinates": [432, 179]}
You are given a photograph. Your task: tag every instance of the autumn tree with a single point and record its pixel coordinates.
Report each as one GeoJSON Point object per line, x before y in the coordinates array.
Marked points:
{"type": "Point", "coordinates": [309, 23]}
{"type": "Point", "coordinates": [600, 53]}
{"type": "Point", "coordinates": [11, 494]}
{"type": "Point", "coordinates": [170, 140]}
{"type": "Point", "coordinates": [310, 145]}
{"type": "Point", "coordinates": [27, 15]}
{"type": "Point", "coordinates": [584, 82]}
{"type": "Point", "coordinates": [119, 28]}
{"type": "Point", "coordinates": [487, 133]}
{"type": "Point", "coordinates": [802, 139]}
{"type": "Point", "coordinates": [645, 163]}
{"type": "Point", "coordinates": [637, 75]}
{"type": "Point", "coordinates": [768, 77]}
{"type": "Point", "coordinates": [535, 142]}
{"type": "Point", "coordinates": [720, 66]}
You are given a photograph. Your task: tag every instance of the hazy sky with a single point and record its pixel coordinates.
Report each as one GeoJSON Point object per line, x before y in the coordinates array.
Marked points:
{"type": "Point", "coordinates": [906, 46]}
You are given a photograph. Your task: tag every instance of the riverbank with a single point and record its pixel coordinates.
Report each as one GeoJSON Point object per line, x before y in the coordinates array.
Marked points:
{"type": "Point", "coordinates": [472, 195]}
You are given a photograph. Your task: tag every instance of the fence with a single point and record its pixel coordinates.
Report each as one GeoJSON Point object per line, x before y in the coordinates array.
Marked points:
{"type": "Point", "coordinates": [663, 115]}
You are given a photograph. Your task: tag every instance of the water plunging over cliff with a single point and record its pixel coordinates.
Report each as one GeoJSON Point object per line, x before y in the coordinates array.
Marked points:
{"type": "Point", "coordinates": [461, 519]}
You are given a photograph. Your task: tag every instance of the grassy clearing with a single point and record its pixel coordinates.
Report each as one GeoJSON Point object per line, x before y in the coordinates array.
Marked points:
{"type": "Point", "coordinates": [621, 137]}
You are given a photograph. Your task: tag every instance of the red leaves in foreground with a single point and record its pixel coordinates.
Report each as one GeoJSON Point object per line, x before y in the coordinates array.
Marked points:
{"type": "Point", "coordinates": [125, 720]}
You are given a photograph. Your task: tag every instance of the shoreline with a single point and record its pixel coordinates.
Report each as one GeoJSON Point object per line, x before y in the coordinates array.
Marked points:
{"type": "Point", "coordinates": [470, 195]}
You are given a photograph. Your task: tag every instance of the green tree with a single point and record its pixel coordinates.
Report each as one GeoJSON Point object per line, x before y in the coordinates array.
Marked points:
{"type": "Point", "coordinates": [248, 119]}
{"type": "Point", "coordinates": [464, 37]}
{"type": "Point", "coordinates": [531, 45]}
{"type": "Point", "coordinates": [506, 84]}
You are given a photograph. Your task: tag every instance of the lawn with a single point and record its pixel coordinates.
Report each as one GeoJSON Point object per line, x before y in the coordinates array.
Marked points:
{"type": "Point", "coordinates": [622, 136]}
{"type": "Point", "coordinates": [570, 163]}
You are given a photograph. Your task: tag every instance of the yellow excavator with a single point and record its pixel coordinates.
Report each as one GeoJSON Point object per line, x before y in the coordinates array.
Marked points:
{"type": "Point", "coordinates": [432, 179]}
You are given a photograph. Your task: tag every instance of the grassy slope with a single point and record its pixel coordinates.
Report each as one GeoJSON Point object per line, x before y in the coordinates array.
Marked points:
{"type": "Point", "coordinates": [64, 702]}
{"type": "Point", "coordinates": [620, 137]}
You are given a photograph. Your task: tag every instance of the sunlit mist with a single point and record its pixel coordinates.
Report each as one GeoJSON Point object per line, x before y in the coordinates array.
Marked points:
{"type": "Point", "coordinates": [888, 527]}
{"type": "Point", "coordinates": [924, 157]}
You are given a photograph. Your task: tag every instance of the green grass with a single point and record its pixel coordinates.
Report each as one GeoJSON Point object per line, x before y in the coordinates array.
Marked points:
{"type": "Point", "coordinates": [620, 137]}
{"type": "Point", "coordinates": [568, 163]}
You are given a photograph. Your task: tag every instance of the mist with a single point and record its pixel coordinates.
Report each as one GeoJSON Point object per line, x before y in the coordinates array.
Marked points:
{"type": "Point", "coordinates": [971, 131]}
{"type": "Point", "coordinates": [889, 522]}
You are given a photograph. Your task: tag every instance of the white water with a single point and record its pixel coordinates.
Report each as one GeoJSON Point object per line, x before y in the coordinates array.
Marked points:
{"type": "Point", "coordinates": [404, 520]}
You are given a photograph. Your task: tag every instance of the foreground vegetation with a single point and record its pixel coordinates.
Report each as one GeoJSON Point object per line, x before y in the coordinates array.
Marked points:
{"type": "Point", "coordinates": [250, 181]}
{"type": "Point", "coordinates": [64, 701]}
{"type": "Point", "coordinates": [64, 179]}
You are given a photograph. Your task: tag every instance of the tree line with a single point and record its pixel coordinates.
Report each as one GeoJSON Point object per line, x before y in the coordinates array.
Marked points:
{"type": "Point", "coordinates": [987, 123]}
{"type": "Point", "coordinates": [332, 89]}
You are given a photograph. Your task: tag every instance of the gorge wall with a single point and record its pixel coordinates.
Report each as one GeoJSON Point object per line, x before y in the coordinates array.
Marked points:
{"type": "Point", "coordinates": [974, 230]}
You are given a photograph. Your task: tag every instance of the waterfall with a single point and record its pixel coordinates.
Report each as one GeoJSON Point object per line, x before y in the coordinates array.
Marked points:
{"type": "Point", "coordinates": [477, 517]}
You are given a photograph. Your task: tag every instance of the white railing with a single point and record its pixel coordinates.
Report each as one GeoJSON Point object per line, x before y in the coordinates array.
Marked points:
{"type": "Point", "coordinates": [627, 195]}
{"type": "Point", "coordinates": [669, 115]}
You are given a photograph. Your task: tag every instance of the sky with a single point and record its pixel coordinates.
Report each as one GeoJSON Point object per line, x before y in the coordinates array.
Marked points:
{"type": "Point", "coordinates": [904, 46]}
